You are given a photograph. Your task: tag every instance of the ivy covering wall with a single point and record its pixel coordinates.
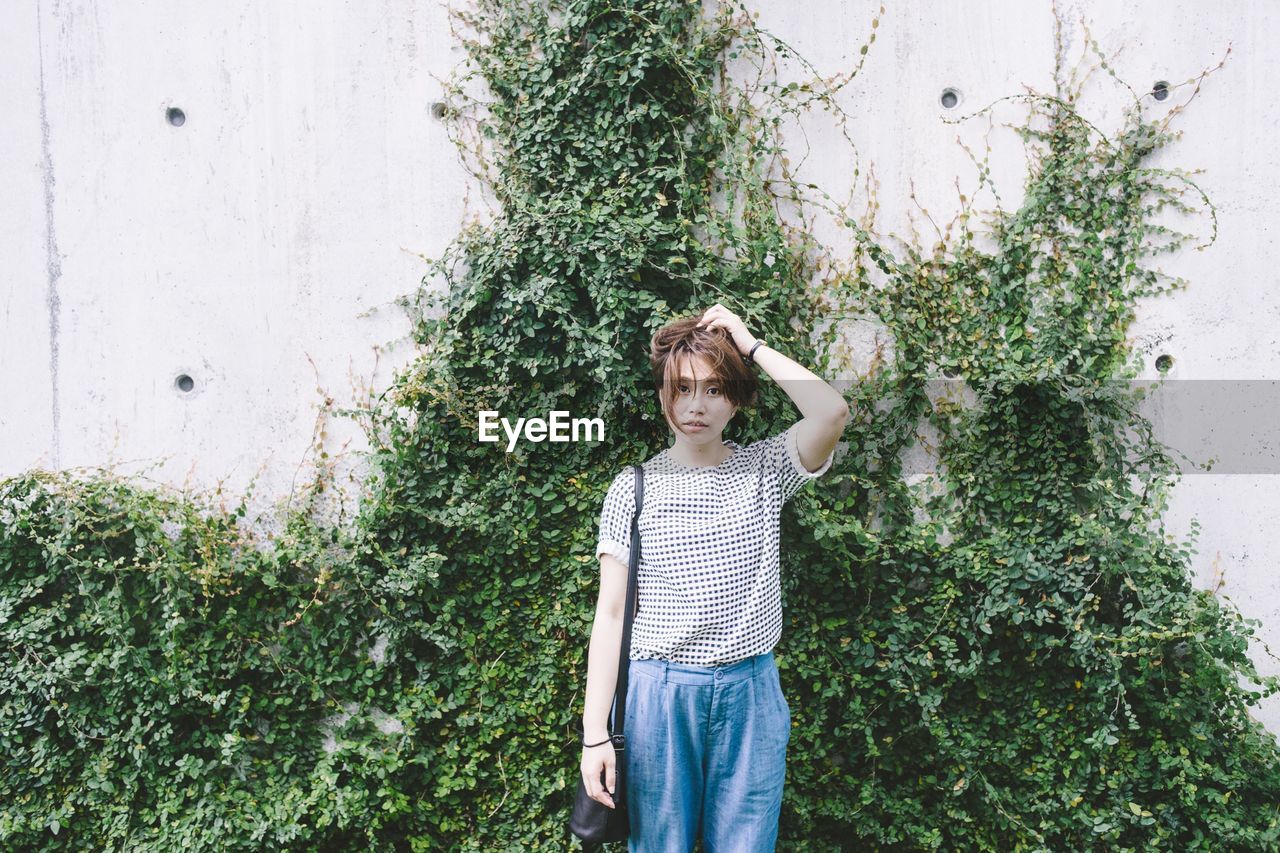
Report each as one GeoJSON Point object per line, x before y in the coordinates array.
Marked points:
{"type": "Point", "coordinates": [1013, 659]}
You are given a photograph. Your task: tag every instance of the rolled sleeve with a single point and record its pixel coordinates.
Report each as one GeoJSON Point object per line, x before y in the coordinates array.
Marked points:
{"type": "Point", "coordinates": [615, 518]}
{"type": "Point", "coordinates": [794, 474]}
{"type": "Point", "coordinates": [617, 550]}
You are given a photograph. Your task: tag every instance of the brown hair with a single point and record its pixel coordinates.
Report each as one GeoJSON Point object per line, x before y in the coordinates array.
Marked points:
{"type": "Point", "coordinates": [681, 340]}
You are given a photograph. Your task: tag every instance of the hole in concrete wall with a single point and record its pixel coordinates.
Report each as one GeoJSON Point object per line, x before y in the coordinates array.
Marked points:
{"type": "Point", "coordinates": [1160, 90]}
{"type": "Point", "coordinates": [1164, 362]}
{"type": "Point", "coordinates": [950, 98]}
{"type": "Point", "coordinates": [437, 109]}
{"type": "Point", "coordinates": [176, 117]}
{"type": "Point", "coordinates": [184, 383]}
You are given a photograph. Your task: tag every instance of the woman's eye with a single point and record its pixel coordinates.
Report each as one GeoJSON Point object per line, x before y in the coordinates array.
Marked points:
{"type": "Point", "coordinates": [684, 389]}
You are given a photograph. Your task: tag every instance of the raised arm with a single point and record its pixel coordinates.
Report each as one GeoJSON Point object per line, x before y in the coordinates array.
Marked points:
{"type": "Point", "coordinates": [824, 409]}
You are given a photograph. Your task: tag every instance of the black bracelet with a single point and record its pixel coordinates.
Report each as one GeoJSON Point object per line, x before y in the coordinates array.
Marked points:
{"type": "Point", "coordinates": [601, 743]}
{"type": "Point", "coordinates": [749, 357]}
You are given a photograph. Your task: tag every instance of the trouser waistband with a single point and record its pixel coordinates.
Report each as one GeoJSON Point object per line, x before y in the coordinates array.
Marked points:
{"type": "Point", "coordinates": [688, 673]}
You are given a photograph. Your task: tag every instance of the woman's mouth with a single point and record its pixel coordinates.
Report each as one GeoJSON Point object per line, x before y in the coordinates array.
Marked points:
{"type": "Point", "coordinates": [695, 425]}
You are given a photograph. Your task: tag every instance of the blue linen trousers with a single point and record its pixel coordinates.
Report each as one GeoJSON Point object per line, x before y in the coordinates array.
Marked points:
{"type": "Point", "coordinates": [706, 755]}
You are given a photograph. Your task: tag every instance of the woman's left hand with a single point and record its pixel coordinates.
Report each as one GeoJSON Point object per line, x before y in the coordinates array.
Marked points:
{"type": "Point", "coordinates": [717, 316]}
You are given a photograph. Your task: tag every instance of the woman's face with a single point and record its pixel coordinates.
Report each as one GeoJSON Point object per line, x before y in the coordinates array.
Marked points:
{"type": "Point", "coordinates": [700, 401]}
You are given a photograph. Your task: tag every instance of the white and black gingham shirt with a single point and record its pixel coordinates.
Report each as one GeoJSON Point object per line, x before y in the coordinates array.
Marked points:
{"type": "Point", "coordinates": [708, 575]}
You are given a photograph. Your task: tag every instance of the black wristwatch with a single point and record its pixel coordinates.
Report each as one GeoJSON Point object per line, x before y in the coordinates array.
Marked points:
{"type": "Point", "coordinates": [749, 358]}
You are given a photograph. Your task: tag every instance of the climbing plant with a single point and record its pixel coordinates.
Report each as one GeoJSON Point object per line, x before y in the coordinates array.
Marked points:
{"type": "Point", "coordinates": [1008, 654]}
{"type": "Point", "coordinates": [1028, 665]}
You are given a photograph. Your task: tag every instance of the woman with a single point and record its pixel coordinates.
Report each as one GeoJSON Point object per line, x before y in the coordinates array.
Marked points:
{"type": "Point", "coordinates": [707, 725]}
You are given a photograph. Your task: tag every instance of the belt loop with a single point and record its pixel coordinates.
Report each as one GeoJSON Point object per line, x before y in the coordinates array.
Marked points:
{"type": "Point", "coordinates": [666, 669]}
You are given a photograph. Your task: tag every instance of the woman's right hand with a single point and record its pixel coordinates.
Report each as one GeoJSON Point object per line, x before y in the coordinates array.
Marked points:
{"type": "Point", "coordinates": [597, 760]}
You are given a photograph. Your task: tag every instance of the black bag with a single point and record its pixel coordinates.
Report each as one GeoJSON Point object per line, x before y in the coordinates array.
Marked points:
{"type": "Point", "coordinates": [592, 820]}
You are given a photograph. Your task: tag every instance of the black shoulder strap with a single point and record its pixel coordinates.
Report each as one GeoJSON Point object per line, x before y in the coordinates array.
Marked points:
{"type": "Point", "coordinates": [618, 713]}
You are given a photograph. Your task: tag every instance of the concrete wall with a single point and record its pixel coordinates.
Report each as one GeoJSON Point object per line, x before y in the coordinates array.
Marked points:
{"type": "Point", "coordinates": [256, 247]}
